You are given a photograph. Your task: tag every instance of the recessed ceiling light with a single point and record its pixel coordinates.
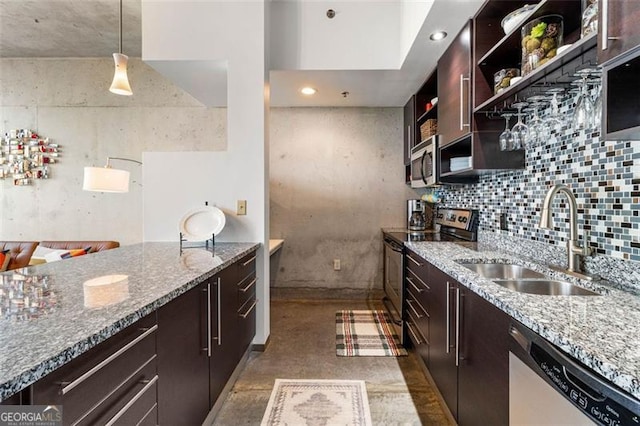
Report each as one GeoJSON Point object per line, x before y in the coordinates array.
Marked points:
{"type": "Point", "coordinates": [308, 91]}
{"type": "Point", "coordinates": [438, 35]}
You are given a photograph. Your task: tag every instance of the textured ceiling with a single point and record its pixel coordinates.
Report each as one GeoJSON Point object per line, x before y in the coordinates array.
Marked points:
{"type": "Point", "coordinates": [68, 28]}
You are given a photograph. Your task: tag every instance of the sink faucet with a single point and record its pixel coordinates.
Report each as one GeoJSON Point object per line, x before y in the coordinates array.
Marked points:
{"type": "Point", "coordinates": [574, 251]}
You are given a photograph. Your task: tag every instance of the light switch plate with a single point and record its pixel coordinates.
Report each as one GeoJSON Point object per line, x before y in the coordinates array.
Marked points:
{"type": "Point", "coordinates": [242, 208]}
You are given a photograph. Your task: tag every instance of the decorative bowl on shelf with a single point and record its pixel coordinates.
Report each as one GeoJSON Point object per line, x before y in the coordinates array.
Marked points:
{"type": "Point", "coordinates": [502, 79]}
{"type": "Point", "coordinates": [540, 41]}
{"type": "Point", "coordinates": [515, 18]}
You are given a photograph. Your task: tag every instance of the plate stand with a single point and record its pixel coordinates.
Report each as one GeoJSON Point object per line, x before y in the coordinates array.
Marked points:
{"type": "Point", "coordinates": [211, 240]}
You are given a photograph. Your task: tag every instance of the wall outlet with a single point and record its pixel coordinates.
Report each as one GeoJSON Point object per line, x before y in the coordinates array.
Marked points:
{"type": "Point", "coordinates": [503, 222]}
{"type": "Point", "coordinates": [242, 208]}
{"type": "Point", "coordinates": [336, 264]}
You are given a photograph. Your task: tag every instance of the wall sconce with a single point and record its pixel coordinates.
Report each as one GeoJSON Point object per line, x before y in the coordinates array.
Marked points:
{"type": "Point", "coordinates": [107, 179]}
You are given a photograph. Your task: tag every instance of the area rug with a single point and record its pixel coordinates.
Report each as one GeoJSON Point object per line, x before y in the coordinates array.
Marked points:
{"type": "Point", "coordinates": [366, 333]}
{"type": "Point", "coordinates": [318, 403]}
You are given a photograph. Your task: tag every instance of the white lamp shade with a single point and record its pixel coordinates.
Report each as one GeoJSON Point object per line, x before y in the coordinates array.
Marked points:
{"type": "Point", "coordinates": [105, 179]}
{"type": "Point", "coordinates": [120, 84]}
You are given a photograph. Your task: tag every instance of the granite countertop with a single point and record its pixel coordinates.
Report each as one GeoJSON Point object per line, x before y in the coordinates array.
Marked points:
{"type": "Point", "coordinates": [47, 317]}
{"type": "Point", "coordinates": [603, 332]}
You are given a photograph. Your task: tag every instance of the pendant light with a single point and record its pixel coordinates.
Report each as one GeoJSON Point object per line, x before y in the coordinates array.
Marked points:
{"type": "Point", "coordinates": [120, 84]}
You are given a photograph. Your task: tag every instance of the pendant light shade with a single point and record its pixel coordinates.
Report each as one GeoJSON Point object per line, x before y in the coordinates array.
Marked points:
{"type": "Point", "coordinates": [105, 179]}
{"type": "Point", "coordinates": [120, 84]}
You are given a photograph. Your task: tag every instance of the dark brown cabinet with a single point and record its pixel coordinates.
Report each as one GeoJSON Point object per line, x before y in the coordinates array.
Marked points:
{"type": "Point", "coordinates": [247, 302]}
{"type": "Point", "coordinates": [454, 89]}
{"type": "Point", "coordinates": [618, 27]}
{"type": "Point", "coordinates": [468, 353]}
{"type": "Point", "coordinates": [113, 383]}
{"type": "Point", "coordinates": [418, 305]}
{"type": "Point", "coordinates": [443, 366]}
{"type": "Point", "coordinates": [183, 361]}
{"type": "Point", "coordinates": [620, 92]}
{"type": "Point", "coordinates": [225, 332]}
{"type": "Point", "coordinates": [203, 336]}
{"type": "Point", "coordinates": [483, 370]}
{"type": "Point", "coordinates": [409, 132]}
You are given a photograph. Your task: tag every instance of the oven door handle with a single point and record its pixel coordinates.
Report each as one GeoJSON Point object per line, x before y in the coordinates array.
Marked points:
{"type": "Point", "coordinates": [392, 247]}
{"type": "Point", "coordinates": [387, 303]}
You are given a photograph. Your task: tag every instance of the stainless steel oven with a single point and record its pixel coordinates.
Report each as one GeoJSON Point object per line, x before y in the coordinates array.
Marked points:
{"type": "Point", "coordinates": [424, 163]}
{"type": "Point", "coordinates": [394, 282]}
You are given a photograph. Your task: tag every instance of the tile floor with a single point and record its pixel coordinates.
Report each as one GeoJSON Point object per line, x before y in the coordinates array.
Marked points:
{"type": "Point", "coordinates": [302, 346]}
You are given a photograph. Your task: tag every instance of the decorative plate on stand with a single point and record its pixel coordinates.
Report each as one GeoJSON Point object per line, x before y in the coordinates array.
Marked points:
{"type": "Point", "coordinates": [202, 223]}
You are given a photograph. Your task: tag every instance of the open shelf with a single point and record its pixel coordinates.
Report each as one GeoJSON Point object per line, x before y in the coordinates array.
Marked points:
{"type": "Point", "coordinates": [432, 113]}
{"type": "Point", "coordinates": [559, 70]}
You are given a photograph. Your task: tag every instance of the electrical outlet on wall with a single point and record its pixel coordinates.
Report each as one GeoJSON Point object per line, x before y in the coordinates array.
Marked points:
{"type": "Point", "coordinates": [503, 222]}
{"type": "Point", "coordinates": [336, 264]}
{"type": "Point", "coordinates": [242, 208]}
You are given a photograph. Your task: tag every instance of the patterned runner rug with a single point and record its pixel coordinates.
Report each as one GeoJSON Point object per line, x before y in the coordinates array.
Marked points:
{"type": "Point", "coordinates": [318, 403]}
{"type": "Point", "coordinates": [366, 333]}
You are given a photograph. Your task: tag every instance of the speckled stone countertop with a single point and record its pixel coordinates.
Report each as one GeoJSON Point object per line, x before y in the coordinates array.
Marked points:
{"type": "Point", "coordinates": [47, 317]}
{"type": "Point", "coordinates": [603, 332]}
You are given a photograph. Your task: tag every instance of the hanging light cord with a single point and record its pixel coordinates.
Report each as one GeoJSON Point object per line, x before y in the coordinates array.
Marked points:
{"type": "Point", "coordinates": [120, 26]}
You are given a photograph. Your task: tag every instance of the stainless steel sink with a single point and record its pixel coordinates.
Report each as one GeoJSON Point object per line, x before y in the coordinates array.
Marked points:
{"type": "Point", "coordinates": [546, 287]}
{"type": "Point", "coordinates": [502, 271]}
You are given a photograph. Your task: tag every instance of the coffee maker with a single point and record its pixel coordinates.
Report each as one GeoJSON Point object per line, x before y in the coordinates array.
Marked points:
{"type": "Point", "coordinates": [417, 215]}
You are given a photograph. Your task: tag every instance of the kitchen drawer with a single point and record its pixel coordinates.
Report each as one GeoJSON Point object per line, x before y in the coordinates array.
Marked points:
{"type": "Point", "coordinates": [151, 418]}
{"type": "Point", "coordinates": [246, 266]}
{"type": "Point", "coordinates": [417, 265]}
{"type": "Point", "coordinates": [247, 289]}
{"type": "Point", "coordinates": [419, 317]}
{"type": "Point", "coordinates": [418, 289]}
{"type": "Point", "coordinates": [419, 343]}
{"type": "Point", "coordinates": [247, 323]}
{"type": "Point", "coordinates": [141, 407]}
{"type": "Point", "coordinates": [103, 374]}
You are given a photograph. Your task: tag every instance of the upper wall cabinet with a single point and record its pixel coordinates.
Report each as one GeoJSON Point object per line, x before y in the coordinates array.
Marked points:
{"type": "Point", "coordinates": [618, 25]}
{"type": "Point", "coordinates": [454, 88]}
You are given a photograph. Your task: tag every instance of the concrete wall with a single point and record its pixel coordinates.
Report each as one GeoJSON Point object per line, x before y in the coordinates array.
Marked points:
{"type": "Point", "coordinates": [336, 179]}
{"type": "Point", "coordinates": [67, 100]}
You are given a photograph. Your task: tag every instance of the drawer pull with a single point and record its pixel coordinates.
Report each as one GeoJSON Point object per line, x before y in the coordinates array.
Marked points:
{"type": "Point", "coordinates": [249, 261]}
{"type": "Point", "coordinates": [413, 334]}
{"type": "Point", "coordinates": [244, 290]}
{"type": "Point", "coordinates": [425, 285]}
{"type": "Point", "coordinates": [417, 315]}
{"type": "Point", "coordinates": [68, 386]}
{"type": "Point", "coordinates": [133, 400]}
{"type": "Point", "coordinates": [414, 261]}
{"type": "Point", "coordinates": [415, 287]}
{"type": "Point", "coordinates": [251, 308]}
{"type": "Point", "coordinates": [113, 391]}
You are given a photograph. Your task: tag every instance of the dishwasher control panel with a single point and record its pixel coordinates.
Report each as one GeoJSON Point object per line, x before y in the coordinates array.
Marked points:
{"type": "Point", "coordinates": [592, 402]}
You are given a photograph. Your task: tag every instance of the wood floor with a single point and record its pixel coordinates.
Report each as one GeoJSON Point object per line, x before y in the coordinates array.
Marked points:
{"type": "Point", "coordinates": [302, 346]}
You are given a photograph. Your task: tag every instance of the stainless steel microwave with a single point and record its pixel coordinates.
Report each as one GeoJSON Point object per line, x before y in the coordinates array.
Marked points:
{"type": "Point", "coordinates": [424, 164]}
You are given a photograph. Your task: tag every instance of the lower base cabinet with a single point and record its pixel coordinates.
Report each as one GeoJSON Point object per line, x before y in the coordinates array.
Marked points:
{"type": "Point", "coordinates": [114, 383]}
{"type": "Point", "coordinates": [468, 350]}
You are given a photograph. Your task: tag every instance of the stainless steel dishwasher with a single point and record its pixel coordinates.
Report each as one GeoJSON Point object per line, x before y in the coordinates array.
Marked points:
{"type": "Point", "coordinates": [394, 283]}
{"type": "Point", "coordinates": [546, 387]}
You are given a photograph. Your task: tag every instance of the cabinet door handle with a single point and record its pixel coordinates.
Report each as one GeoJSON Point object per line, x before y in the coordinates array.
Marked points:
{"type": "Point", "coordinates": [251, 308]}
{"type": "Point", "coordinates": [448, 342]}
{"type": "Point", "coordinates": [249, 261]}
{"type": "Point", "coordinates": [409, 140]}
{"type": "Point", "coordinates": [605, 25]}
{"type": "Point", "coordinates": [219, 314]}
{"type": "Point", "coordinates": [68, 386]}
{"type": "Point", "coordinates": [244, 290]}
{"type": "Point", "coordinates": [458, 326]}
{"type": "Point", "coordinates": [414, 261]}
{"type": "Point", "coordinates": [209, 337]}
{"type": "Point", "coordinates": [133, 400]}
{"type": "Point", "coordinates": [462, 80]}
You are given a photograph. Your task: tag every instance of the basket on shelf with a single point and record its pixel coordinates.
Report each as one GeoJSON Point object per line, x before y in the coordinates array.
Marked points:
{"type": "Point", "coordinates": [428, 129]}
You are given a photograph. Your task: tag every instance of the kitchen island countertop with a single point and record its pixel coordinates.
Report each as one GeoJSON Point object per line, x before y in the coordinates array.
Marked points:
{"type": "Point", "coordinates": [48, 317]}
{"type": "Point", "coordinates": [602, 332]}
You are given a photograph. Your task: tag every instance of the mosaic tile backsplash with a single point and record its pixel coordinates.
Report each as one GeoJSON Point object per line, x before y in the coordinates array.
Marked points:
{"type": "Point", "coordinates": [603, 175]}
